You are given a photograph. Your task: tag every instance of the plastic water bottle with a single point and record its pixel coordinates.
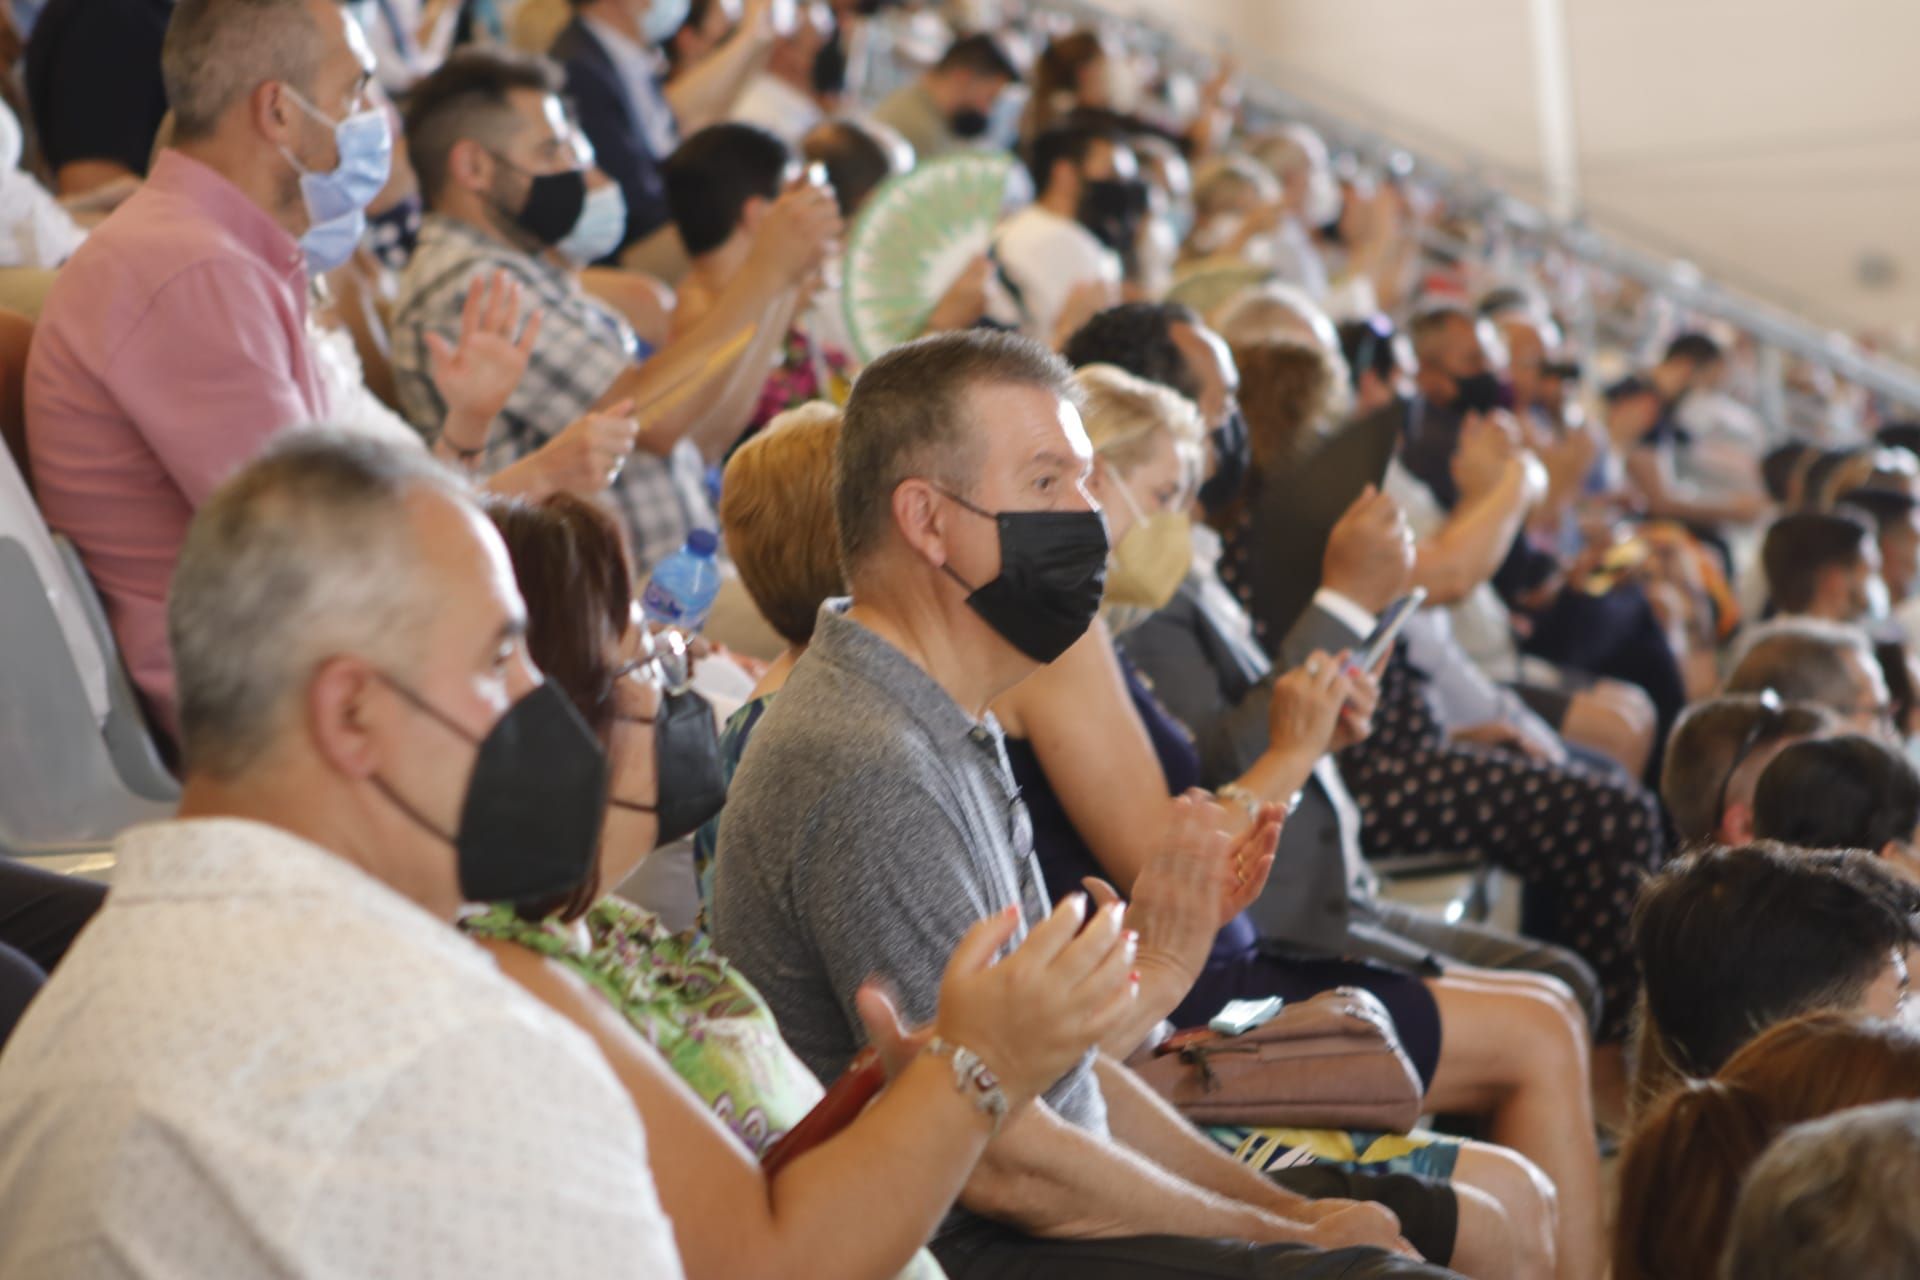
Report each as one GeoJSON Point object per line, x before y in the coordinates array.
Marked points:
{"type": "Point", "coordinates": [680, 592]}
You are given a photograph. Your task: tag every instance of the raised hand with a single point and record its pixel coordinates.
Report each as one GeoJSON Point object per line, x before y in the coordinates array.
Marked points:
{"type": "Point", "coordinates": [965, 300]}
{"type": "Point", "coordinates": [587, 457]}
{"type": "Point", "coordinates": [477, 377]}
{"type": "Point", "coordinates": [1482, 456]}
{"type": "Point", "coordinates": [799, 232]}
{"type": "Point", "coordinates": [1032, 1015]}
{"type": "Point", "coordinates": [1369, 557]}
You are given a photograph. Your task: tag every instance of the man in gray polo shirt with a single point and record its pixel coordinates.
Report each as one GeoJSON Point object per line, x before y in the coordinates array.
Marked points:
{"type": "Point", "coordinates": [873, 819]}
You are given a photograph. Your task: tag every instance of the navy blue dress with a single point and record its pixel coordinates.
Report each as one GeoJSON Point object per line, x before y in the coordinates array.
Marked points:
{"type": "Point", "coordinates": [1241, 966]}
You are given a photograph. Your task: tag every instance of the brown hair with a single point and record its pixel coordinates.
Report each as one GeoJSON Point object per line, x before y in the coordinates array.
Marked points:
{"type": "Point", "coordinates": [1682, 1170]}
{"type": "Point", "coordinates": [1286, 391]}
{"type": "Point", "coordinates": [910, 414]}
{"type": "Point", "coordinates": [776, 514]}
{"type": "Point", "coordinates": [1058, 71]}
{"type": "Point", "coordinates": [574, 573]}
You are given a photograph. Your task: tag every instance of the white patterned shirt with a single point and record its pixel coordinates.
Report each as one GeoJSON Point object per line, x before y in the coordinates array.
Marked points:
{"type": "Point", "coordinates": [257, 1060]}
{"type": "Point", "coordinates": [583, 349]}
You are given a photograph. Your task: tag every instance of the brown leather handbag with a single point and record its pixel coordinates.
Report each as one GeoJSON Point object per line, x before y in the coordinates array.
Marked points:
{"type": "Point", "coordinates": [1332, 1062]}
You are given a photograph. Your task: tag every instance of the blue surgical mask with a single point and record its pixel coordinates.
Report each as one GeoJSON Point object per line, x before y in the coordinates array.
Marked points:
{"type": "Point", "coordinates": [366, 161]}
{"type": "Point", "coordinates": [599, 229]}
{"type": "Point", "coordinates": [664, 17]}
{"type": "Point", "coordinates": [329, 244]}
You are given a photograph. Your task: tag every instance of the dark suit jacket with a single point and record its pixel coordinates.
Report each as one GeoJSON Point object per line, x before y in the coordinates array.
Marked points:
{"type": "Point", "coordinates": [1295, 509]}
{"type": "Point", "coordinates": [1201, 678]}
{"type": "Point", "coordinates": [612, 123]}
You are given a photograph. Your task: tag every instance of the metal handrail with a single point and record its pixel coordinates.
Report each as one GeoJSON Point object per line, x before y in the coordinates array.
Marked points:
{"type": "Point", "coordinates": [1676, 279]}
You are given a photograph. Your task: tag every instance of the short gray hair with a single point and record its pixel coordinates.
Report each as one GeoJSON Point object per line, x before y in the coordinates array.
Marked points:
{"type": "Point", "coordinates": [1803, 660]}
{"type": "Point", "coordinates": [305, 554]}
{"type": "Point", "coordinates": [218, 51]}
{"type": "Point", "coordinates": [909, 415]}
{"type": "Point", "coordinates": [1836, 1196]}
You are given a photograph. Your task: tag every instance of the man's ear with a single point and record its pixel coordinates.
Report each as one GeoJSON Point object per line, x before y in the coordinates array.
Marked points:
{"type": "Point", "coordinates": [274, 113]}
{"type": "Point", "coordinates": [343, 705]}
{"type": "Point", "coordinates": [753, 213]}
{"type": "Point", "coordinates": [920, 516]}
{"type": "Point", "coordinates": [470, 165]}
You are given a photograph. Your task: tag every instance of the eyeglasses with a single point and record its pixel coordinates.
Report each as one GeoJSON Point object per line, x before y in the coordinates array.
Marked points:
{"type": "Point", "coordinates": [1765, 726]}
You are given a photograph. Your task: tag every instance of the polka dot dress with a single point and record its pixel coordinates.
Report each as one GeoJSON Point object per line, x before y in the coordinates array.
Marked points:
{"type": "Point", "coordinates": [1582, 840]}
{"type": "Point", "coordinates": [1586, 838]}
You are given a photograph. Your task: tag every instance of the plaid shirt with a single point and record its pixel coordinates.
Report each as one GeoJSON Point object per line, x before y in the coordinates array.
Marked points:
{"type": "Point", "coordinates": [583, 348]}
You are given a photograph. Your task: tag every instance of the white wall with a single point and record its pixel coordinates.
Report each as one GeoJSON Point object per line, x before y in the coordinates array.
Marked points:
{"type": "Point", "coordinates": [1772, 141]}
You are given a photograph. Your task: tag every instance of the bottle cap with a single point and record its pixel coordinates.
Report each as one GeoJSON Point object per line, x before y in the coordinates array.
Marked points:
{"type": "Point", "coordinates": [703, 542]}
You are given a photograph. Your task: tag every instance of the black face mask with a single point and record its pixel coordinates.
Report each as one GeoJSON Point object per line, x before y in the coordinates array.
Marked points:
{"type": "Point", "coordinates": [530, 823]}
{"type": "Point", "coordinates": [1233, 460]}
{"type": "Point", "coordinates": [1482, 393]}
{"type": "Point", "coordinates": [969, 123]}
{"type": "Point", "coordinates": [1113, 208]}
{"type": "Point", "coordinates": [691, 785]}
{"type": "Point", "coordinates": [553, 205]}
{"type": "Point", "coordinates": [1053, 571]}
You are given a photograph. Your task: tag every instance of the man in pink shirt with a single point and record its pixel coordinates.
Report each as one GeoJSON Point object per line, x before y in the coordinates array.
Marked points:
{"type": "Point", "coordinates": [174, 343]}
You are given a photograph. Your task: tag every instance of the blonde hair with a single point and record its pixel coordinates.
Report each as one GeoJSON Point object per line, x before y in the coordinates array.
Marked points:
{"type": "Point", "coordinates": [776, 514]}
{"type": "Point", "coordinates": [1124, 415]}
{"type": "Point", "coordinates": [1223, 182]}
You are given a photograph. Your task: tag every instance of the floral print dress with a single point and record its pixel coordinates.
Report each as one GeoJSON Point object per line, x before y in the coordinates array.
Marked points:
{"type": "Point", "coordinates": [702, 1015]}
{"type": "Point", "coordinates": [700, 1012]}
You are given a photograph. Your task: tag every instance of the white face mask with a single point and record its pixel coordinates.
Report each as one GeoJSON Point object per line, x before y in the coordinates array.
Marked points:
{"type": "Point", "coordinates": [599, 229]}
{"type": "Point", "coordinates": [1879, 599]}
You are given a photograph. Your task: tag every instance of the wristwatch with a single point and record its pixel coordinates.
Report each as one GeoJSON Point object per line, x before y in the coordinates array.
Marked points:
{"type": "Point", "coordinates": [974, 1079]}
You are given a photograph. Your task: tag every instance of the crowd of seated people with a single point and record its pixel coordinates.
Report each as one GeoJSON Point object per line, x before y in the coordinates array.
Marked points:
{"type": "Point", "coordinates": [1075, 674]}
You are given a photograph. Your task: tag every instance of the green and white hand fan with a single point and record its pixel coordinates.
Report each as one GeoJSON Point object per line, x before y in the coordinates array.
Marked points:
{"type": "Point", "coordinates": [913, 239]}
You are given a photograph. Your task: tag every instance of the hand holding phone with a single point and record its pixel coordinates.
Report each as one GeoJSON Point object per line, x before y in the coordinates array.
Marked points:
{"type": "Point", "coordinates": [1387, 629]}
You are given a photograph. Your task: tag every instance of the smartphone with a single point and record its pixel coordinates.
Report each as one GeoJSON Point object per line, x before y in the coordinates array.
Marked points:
{"type": "Point", "coordinates": [1242, 1016]}
{"type": "Point", "coordinates": [1387, 629]}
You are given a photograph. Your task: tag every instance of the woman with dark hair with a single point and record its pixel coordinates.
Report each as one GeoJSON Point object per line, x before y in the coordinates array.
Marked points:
{"type": "Point", "coordinates": [690, 1038]}
{"type": "Point", "coordinates": [1681, 1175]}
{"type": "Point", "coordinates": [1072, 73]}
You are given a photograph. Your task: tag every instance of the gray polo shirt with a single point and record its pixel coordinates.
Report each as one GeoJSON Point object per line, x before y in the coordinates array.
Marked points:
{"type": "Point", "coordinates": [871, 823]}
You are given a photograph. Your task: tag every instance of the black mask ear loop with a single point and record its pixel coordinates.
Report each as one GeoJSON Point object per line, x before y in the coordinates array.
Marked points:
{"type": "Point", "coordinates": [447, 722]}
{"type": "Point", "coordinates": [946, 568]}
{"type": "Point", "coordinates": [635, 806]}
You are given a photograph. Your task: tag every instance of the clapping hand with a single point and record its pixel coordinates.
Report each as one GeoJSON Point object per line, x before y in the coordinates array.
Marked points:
{"type": "Point", "coordinates": [1033, 1014]}
{"type": "Point", "coordinates": [1200, 880]}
